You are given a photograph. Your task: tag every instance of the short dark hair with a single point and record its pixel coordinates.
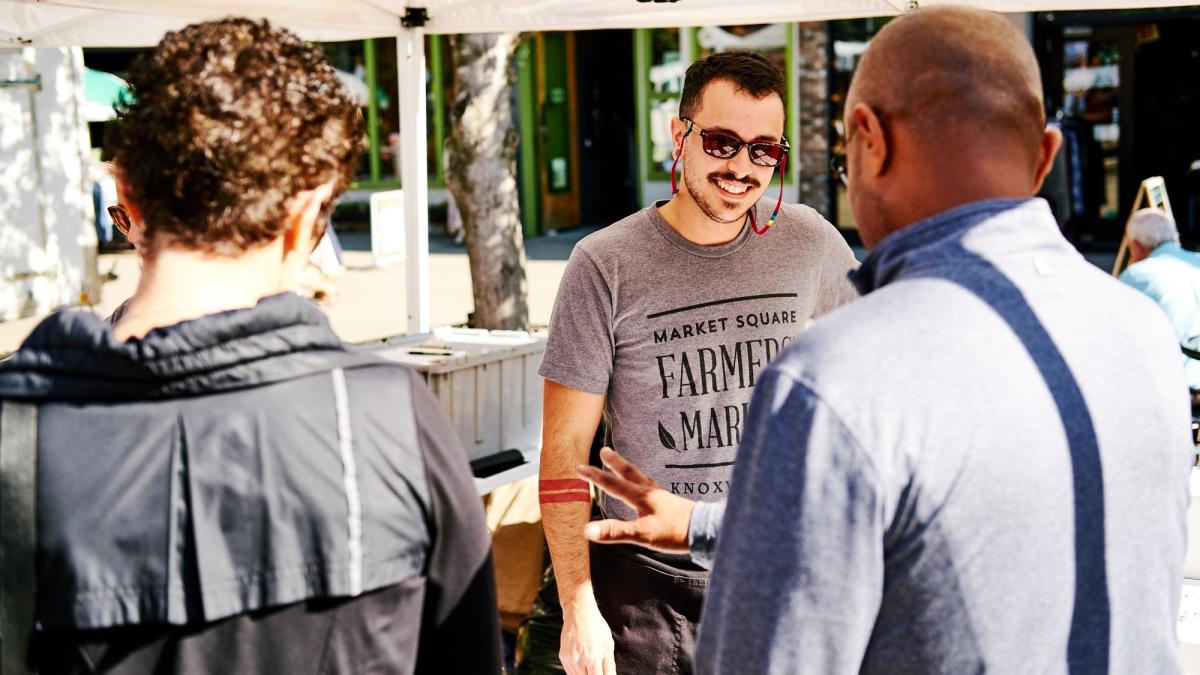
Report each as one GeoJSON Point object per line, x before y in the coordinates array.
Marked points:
{"type": "Point", "coordinates": [751, 73]}
{"type": "Point", "coordinates": [228, 121]}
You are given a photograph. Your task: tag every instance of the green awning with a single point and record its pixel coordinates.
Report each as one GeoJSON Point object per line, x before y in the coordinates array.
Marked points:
{"type": "Point", "coordinates": [102, 93]}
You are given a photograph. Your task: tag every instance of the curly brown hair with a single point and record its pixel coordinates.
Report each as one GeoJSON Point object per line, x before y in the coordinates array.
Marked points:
{"type": "Point", "coordinates": [228, 121]}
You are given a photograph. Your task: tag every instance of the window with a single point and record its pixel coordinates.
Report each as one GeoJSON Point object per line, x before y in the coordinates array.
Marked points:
{"type": "Point", "coordinates": [368, 70]}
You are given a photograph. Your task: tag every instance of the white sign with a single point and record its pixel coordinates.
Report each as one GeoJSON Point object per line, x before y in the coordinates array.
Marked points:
{"type": "Point", "coordinates": [387, 227]}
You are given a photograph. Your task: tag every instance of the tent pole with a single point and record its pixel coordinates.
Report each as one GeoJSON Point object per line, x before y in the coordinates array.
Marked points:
{"type": "Point", "coordinates": [414, 176]}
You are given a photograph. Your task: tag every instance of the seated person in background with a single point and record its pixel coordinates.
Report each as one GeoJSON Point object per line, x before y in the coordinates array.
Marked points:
{"type": "Point", "coordinates": [1170, 275]}
{"type": "Point", "coordinates": [221, 485]}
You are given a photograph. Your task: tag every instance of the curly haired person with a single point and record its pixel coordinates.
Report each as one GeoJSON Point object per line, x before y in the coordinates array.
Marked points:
{"type": "Point", "coordinates": [221, 485]}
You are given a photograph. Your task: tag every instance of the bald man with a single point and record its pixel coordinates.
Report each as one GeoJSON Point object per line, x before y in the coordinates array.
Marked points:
{"type": "Point", "coordinates": [959, 472]}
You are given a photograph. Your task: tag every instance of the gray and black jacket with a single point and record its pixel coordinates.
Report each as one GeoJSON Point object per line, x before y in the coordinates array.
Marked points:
{"type": "Point", "coordinates": [242, 493]}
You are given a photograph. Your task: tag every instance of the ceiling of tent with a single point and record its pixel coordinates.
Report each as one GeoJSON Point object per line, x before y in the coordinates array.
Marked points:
{"type": "Point", "coordinates": [126, 23]}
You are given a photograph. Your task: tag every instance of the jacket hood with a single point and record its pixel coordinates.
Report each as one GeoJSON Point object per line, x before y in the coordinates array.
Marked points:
{"type": "Point", "coordinates": [73, 355]}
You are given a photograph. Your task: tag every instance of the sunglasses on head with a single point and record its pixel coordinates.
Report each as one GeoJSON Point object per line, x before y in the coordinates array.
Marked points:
{"type": "Point", "coordinates": [120, 218]}
{"type": "Point", "coordinates": [724, 145]}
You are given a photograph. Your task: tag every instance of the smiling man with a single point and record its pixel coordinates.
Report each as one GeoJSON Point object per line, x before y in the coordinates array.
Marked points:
{"type": "Point", "coordinates": [663, 324]}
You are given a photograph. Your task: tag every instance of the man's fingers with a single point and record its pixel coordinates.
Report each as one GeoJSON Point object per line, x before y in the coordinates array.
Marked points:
{"type": "Point", "coordinates": [602, 666]}
{"type": "Point", "coordinates": [613, 531]}
{"type": "Point", "coordinates": [569, 664]}
{"type": "Point", "coordinates": [617, 486]}
{"type": "Point", "coordinates": [628, 471]}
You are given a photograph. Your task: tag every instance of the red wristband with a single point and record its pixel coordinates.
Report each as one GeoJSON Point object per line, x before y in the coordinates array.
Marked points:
{"type": "Point", "coordinates": [560, 497]}
{"type": "Point", "coordinates": [562, 484]}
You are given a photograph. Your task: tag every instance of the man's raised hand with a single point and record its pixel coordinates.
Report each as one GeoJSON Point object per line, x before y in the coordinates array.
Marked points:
{"type": "Point", "coordinates": [663, 518]}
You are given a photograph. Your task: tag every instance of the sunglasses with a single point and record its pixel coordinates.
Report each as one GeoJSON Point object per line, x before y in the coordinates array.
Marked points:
{"type": "Point", "coordinates": [837, 168]}
{"type": "Point", "coordinates": [121, 221]}
{"type": "Point", "coordinates": [837, 157]}
{"type": "Point", "coordinates": [724, 145]}
{"type": "Point", "coordinates": [120, 218]}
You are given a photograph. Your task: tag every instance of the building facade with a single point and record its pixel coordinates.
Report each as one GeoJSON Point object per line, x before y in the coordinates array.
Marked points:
{"type": "Point", "coordinates": [592, 111]}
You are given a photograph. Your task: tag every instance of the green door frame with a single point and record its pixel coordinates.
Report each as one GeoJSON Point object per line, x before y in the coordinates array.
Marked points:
{"type": "Point", "coordinates": [641, 102]}
{"type": "Point", "coordinates": [528, 130]}
{"type": "Point", "coordinates": [376, 171]}
{"type": "Point", "coordinates": [375, 180]}
{"type": "Point", "coordinates": [434, 47]}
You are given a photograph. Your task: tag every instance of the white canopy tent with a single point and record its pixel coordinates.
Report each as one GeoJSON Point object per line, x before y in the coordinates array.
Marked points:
{"type": "Point", "coordinates": [128, 23]}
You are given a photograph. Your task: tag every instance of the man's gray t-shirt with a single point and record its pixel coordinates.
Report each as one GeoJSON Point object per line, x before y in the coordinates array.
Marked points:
{"type": "Point", "coordinates": [676, 334]}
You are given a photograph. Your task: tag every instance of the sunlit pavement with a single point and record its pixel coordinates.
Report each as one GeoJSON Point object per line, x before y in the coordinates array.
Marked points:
{"type": "Point", "coordinates": [370, 301]}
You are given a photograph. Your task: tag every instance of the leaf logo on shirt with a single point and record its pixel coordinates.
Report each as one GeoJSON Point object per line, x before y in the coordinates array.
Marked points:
{"type": "Point", "coordinates": [665, 437]}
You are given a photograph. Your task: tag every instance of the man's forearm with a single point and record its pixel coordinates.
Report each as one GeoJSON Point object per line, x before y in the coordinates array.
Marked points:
{"type": "Point", "coordinates": [564, 513]}
{"type": "Point", "coordinates": [569, 421]}
{"type": "Point", "coordinates": [569, 550]}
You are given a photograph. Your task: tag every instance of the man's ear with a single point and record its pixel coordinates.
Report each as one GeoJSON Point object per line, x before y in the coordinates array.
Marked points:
{"type": "Point", "coordinates": [678, 131]}
{"type": "Point", "coordinates": [1137, 251]}
{"type": "Point", "coordinates": [303, 211]}
{"type": "Point", "coordinates": [124, 195]}
{"type": "Point", "coordinates": [1051, 141]}
{"type": "Point", "coordinates": [874, 149]}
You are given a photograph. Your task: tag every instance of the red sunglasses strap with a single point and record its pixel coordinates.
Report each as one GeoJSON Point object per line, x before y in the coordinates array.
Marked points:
{"type": "Point", "coordinates": [778, 204]}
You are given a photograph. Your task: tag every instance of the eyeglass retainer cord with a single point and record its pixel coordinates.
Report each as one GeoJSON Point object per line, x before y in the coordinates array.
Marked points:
{"type": "Point", "coordinates": [753, 221]}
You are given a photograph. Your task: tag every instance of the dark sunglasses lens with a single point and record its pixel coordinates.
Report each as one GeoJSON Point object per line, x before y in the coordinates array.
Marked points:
{"type": "Point", "coordinates": [721, 146]}
{"type": "Point", "coordinates": [837, 166]}
{"type": "Point", "coordinates": [120, 218]}
{"type": "Point", "coordinates": [767, 154]}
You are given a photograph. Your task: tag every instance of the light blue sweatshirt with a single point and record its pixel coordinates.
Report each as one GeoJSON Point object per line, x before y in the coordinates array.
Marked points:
{"type": "Point", "coordinates": [1170, 275]}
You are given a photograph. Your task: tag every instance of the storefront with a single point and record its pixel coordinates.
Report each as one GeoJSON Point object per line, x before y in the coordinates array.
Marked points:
{"type": "Point", "coordinates": [1125, 88]}
{"type": "Point", "coordinates": [572, 111]}
{"type": "Point", "coordinates": [592, 111]}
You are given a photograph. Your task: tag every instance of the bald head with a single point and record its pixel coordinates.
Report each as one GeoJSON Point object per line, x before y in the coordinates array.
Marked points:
{"type": "Point", "coordinates": [951, 73]}
{"type": "Point", "coordinates": [945, 109]}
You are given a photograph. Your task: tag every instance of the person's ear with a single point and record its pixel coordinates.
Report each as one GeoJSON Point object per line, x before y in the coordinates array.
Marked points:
{"type": "Point", "coordinates": [124, 195]}
{"type": "Point", "coordinates": [874, 149]}
{"type": "Point", "coordinates": [1137, 251]}
{"type": "Point", "coordinates": [1051, 141]}
{"type": "Point", "coordinates": [678, 132]}
{"type": "Point", "coordinates": [300, 235]}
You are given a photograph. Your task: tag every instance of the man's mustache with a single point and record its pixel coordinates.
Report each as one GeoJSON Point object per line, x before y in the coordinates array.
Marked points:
{"type": "Point", "coordinates": [734, 178]}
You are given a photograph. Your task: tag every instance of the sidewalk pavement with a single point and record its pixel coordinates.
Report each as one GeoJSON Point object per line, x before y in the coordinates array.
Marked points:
{"type": "Point", "coordinates": [370, 301]}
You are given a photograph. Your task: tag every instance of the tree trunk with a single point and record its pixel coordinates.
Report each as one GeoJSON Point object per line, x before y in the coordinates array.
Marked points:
{"type": "Point", "coordinates": [481, 173]}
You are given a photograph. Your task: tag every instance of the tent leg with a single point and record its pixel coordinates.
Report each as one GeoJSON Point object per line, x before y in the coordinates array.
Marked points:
{"type": "Point", "coordinates": [414, 177]}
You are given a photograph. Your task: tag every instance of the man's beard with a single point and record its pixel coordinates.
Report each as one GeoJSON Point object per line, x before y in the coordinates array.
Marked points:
{"type": "Point", "coordinates": [695, 187]}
